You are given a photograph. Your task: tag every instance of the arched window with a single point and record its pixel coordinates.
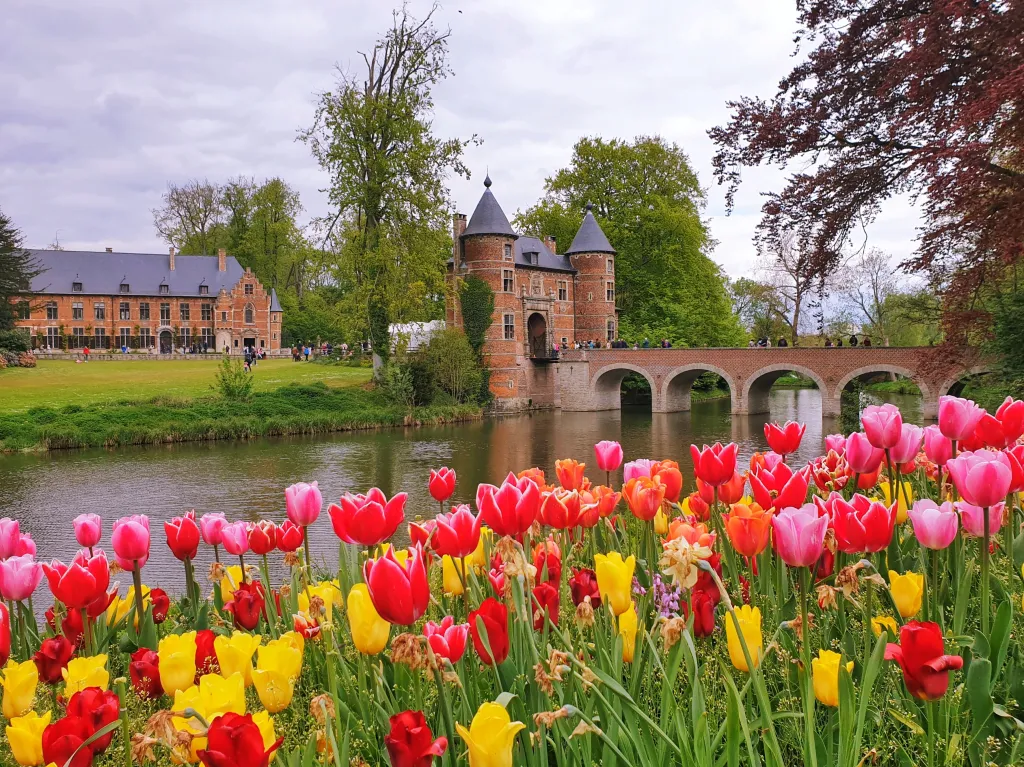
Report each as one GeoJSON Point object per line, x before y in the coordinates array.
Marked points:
{"type": "Point", "coordinates": [249, 314]}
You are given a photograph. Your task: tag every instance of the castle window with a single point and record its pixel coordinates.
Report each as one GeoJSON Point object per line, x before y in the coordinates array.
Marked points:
{"type": "Point", "coordinates": [223, 316]}
{"type": "Point", "coordinates": [76, 287]}
{"type": "Point", "coordinates": [248, 288]}
{"type": "Point", "coordinates": [508, 252]}
{"type": "Point", "coordinates": [184, 312]}
{"type": "Point", "coordinates": [53, 339]}
{"type": "Point", "coordinates": [533, 258]}
{"type": "Point", "coordinates": [78, 334]}
{"type": "Point", "coordinates": [611, 329]}
{"type": "Point", "coordinates": [126, 288]}
{"type": "Point", "coordinates": [24, 310]}
{"type": "Point", "coordinates": [536, 287]}
{"type": "Point", "coordinates": [609, 291]}
{"type": "Point", "coordinates": [204, 290]}
{"type": "Point", "coordinates": [144, 311]}
{"type": "Point", "coordinates": [563, 290]}
{"type": "Point", "coordinates": [508, 283]}
{"type": "Point", "coordinates": [51, 310]}
{"type": "Point", "coordinates": [100, 311]}
{"type": "Point", "coordinates": [165, 313]}
{"type": "Point", "coordinates": [145, 338]}
{"type": "Point", "coordinates": [124, 311]}
{"type": "Point", "coordinates": [206, 312]}
{"type": "Point", "coordinates": [77, 312]}
{"type": "Point", "coordinates": [611, 266]}
{"type": "Point", "coordinates": [164, 289]}
{"type": "Point", "coordinates": [207, 334]}
{"type": "Point", "coordinates": [125, 337]}
{"type": "Point", "coordinates": [249, 315]}
{"type": "Point", "coordinates": [100, 334]}
{"type": "Point", "coordinates": [510, 327]}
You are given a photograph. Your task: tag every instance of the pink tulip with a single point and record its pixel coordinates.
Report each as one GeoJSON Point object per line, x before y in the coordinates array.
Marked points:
{"type": "Point", "coordinates": [934, 525]}
{"type": "Point", "coordinates": [799, 535]}
{"type": "Point", "coordinates": [1011, 416]}
{"type": "Point", "coordinates": [972, 518]}
{"type": "Point", "coordinates": [19, 577]}
{"type": "Point", "coordinates": [836, 442]}
{"type": "Point", "coordinates": [609, 455]}
{"type": "Point", "coordinates": [130, 541]}
{"type": "Point", "coordinates": [907, 448]}
{"type": "Point", "coordinates": [367, 519]}
{"type": "Point", "coordinates": [937, 445]}
{"type": "Point", "coordinates": [882, 425]}
{"type": "Point", "coordinates": [983, 477]}
{"type": "Point", "coordinates": [447, 639]}
{"type": "Point", "coordinates": [235, 537]}
{"type": "Point", "coordinates": [25, 546]}
{"type": "Point", "coordinates": [88, 530]}
{"type": "Point", "coordinates": [958, 417]}
{"type": "Point", "coordinates": [212, 526]}
{"type": "Point", "coordinates": [10, 535]}
{"type": "Point", "coordinates": [638, 468]}
{"type": "Point", "coordinates": [861, 455]}
{"type": "Point", "coordinates": [304, 502]}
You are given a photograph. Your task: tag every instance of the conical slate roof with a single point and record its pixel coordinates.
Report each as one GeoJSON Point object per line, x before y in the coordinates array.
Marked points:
{"type": "Point", "coordinates": [590, 238]}
{"type": "Point", "coordinates": [488, 218]}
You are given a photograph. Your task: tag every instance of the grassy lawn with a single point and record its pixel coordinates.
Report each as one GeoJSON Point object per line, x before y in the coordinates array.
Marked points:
{"type": "Point", "coordinates": [56, 383]}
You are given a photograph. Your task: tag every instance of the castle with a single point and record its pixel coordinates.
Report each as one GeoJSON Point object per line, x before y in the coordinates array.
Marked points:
{"type": "Point", "coordinates": [543, 300]}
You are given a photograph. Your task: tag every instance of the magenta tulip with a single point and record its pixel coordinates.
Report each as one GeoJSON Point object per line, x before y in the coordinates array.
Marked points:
{"type": "Point", "coordinates": [304, 502]}
{"type": "Point", "coordinates": [130, 541]}
{"type": "Point", "coordinates": [399, 592]}
{"type": "Point", "coordinates": [907, 448]}
{"type": "Point", "coordinates": [716, 464]}
{"type": "Point", "coordinates": [972, 518]}
{"type": "Point", "coordinates": [441, 484]}
{"type": "Point", "coordinates": [235, 538]}
{"type": "Point", "coordinates": [861, 456]}
{"type": "Point", "coordinates": [88, 529]}
{"type": "Point", "coordinates": [458, 533]}
{"type": "Point", "coordinates": [5, 634]}
{"type": "Point", "coordinates": [982, 477]}
{"type": "Point", "coordinates": [10, 535]}
{"type": "Point", "coordinates": [609, 455]}
{"type": "Point", "coordinates": [958, 417]}
{"type": "Point", "coordinates": [835, 442]}
{"type": "Point", "coordinates": [19, 577]}
{"type": "Point", "coordinates": [511, 508]}
{"type": "Point", "coordinates": [82, 582]}
{"type": "Point", "coordinates": [799, 535]}
{"type": "Point", "coordinates": [1011, 416]}
{"type": "Point", "coordinates": [937, 446]}
{"type": "Point", "coordinates": [784, 439]}
{"type": "Point", "coordinates": [211, 526]}
{"type": "Point", "coordinates": [638, 468]}
{"type": "Point", "coordinates": [883, 425]}
{"type": "Point", "coordinates": [935, 526]}
{"type": "Point", "coordinates": [367, 519]}
{"type": "Point", "coordinates": [25, 546]}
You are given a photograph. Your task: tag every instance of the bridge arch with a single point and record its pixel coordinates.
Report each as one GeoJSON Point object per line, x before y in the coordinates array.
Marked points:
{"type": "Point", "coordinates": [676, 388]}
{"type": "Point", "coordinates": [952, 384]}
{"type": "Point", "coordinates": [607, 382]}
{"type": "Point", "coordinates": [926, 392]}
{"type": "Point", "coordinates": [759, 386]}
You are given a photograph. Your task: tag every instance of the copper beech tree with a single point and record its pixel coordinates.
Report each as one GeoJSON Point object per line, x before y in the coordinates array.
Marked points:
{"type": "Point", "coordinates": [895, 97]}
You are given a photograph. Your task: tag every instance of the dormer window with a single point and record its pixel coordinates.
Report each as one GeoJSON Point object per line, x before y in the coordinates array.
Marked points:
{"type": "Point", "coordinates": [125, 287]}
{"type": "Point", "coordinates": [533, 258]}
{"type": "Point", "coordinates": [164, 289]}
{"type": "Point", "coordinates": [204, 290]}
{"type": "Point", "coordinates": [248, 288]}
{"type": "Point", "coordinates": [76, 287]}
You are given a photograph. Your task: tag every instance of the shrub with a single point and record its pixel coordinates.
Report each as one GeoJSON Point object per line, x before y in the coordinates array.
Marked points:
{"type": "Point", "coordinates": [394, 379]}
{"type": "Point", "coordinates": [454, 365]}
{"type": "Point", "coordinates": [232, 380]}
{"type": "Point", "coordinates": [423, 383]}
{"type": "Point", "coordinates": [17, 340]}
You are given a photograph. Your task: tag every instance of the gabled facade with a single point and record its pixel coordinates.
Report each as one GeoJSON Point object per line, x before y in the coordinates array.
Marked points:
{"type": "Point", "coordinates": [150, 303]}
{"type": "Point", "coordinates": [542, 299]}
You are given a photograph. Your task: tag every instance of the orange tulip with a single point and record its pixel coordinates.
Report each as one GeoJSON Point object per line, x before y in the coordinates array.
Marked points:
{"type": "Point", "coordinates": [729, 493]}
{"type": "Point", "coordinates": [644, 495]}
{"type": "Point", "coordinates": [537, 475]}
{"type": "Point", "coordinates": [749, 528]}
{"type": "Point", "coordinates": [695, 533]}
{"type": "Point", "coordinates": [697, 506]}
{"type": "Point", "coordinates": [570, 473]}
{"type": "Point", "coordinates": [670, 476]}
{"type": "Point", "coordinates": [605, 498]}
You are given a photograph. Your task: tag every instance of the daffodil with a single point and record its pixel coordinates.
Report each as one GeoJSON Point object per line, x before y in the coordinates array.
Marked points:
{"type": "Point", "coordinates": [749, 619]}
{"type": "Point", "coordinates": [282, 655]}
{"type": "Point", "coordinates": [234, 654]}
{"type": "Point", "coordinates": [369, 631]}
{"type": "Point", "coordinates": [825, 676]}
{"type": "Point", "coordinates": [615, 580]}
{"type": "Point", "coordinates": [88, 672]}
{"type": "Point", "coordinates": [907, 592]}
{"type": "Point", "coordinates": [19, 680]}
{"type": "Point", "coordinates": [177, 653]}
{"type": "Point", "coordinates": [490, 736]}
{"type": "Point", "coordinates": [25, 734]}
{"type": "Point", "coordinates": [627, 628]}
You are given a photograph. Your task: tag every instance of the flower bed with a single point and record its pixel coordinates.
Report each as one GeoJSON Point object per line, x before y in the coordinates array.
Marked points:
{"type": "Point", "coordinates": [760, 619]}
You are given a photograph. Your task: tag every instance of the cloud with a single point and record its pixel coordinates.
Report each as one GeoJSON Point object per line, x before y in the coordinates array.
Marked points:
{"type": "Point", "coordinates": [105, 102]}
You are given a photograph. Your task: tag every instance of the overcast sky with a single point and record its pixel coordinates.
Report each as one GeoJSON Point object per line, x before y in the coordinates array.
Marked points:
{"type": "Point", "coordinates": [104, 102]}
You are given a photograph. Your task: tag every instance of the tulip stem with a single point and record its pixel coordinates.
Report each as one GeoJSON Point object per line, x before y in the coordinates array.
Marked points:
{"type": "Point", "coordinates": [1008, 536]}
{"type": "Point", "coordinates": [140, 613]}
{"type": "Point", "coordinates": [929, 706]}
{"type": "Point", "coordinates": [936, 603]}
{"type": "Point", "coordinates": [984, 573]}
{"type": "Point", "coordinates": [241, 563]}
{"type": "Point", "coordinates": [868, 586]}
{"type": "Point", "coordinates": [216, 553]}
{"type": "Point", "coordinates": [307, 570]}
{"type": "Point", "coordinates": [26, 652]}
{"type": "Point", "coordinates": [806, 578]}
{"type": "Point", "coordinates": [464, 577]}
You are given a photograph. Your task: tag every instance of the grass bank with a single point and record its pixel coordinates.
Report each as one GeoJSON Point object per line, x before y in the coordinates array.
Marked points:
{"type": "Point", "coordinates": [314, 408]}
{"type": "Point", "coordinates": [899, 386]}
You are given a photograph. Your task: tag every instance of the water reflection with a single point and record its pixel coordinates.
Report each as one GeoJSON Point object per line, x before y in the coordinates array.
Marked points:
{"type": "Point", "coordinates": [246, 480]}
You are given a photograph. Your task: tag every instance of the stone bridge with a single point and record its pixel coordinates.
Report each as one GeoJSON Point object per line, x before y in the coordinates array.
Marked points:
{"type": "Point", "coordinates": [591, 379]}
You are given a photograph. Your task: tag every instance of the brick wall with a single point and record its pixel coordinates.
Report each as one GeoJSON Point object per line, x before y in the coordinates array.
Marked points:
{"type": "Point", "coordinates": [593, 310]}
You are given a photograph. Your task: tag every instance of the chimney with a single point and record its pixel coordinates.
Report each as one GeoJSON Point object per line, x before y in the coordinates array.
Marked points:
{"type": "Point", "coordinates": [458, 227]}
{"type": "Point", "coordinates": [549, 240]}
{"type": "Point", "coordinates": [110, 250]}
{"type": "Point", "coordinates": [171, 253]}
{"type": "Point", "coordinates": [222, 260]}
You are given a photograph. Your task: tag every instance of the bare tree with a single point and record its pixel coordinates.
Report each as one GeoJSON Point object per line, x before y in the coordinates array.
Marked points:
{"type": "Point", "coordinates": [785, 269]}
{"type": "Point", "coordinates": [868, 282]}
{"type": "Point", "coordinates": [189, 215]}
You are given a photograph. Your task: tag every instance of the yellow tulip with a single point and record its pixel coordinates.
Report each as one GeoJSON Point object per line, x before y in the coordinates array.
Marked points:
{"type": "Point", "coordinates": [881, 622]}
{"type": "Point", "coordinates": [234, 654]}
{"type": "Point", "coordinates": [907, 591]}
{"type": "Point", "coordinates": [490, 736]}
{"type": "Point", "coordinates": [184, 699]}
{"type": "Point", "coordinates": [749, 619]}
{"type": "Point", "coordinates": [20, 680]}
{"type": "Point", "coordinates": [281, 655]}
{"type": "Point", "coordinates": [369, 631]}
{"type": "Point", "coordinates": [118, 609]}
{"type": "Point", "coordinates": [401, 555]}
{"type": "Point", "coordinates": [220, 695]}
{"type": "Point", "coordinates": [478, 559]}
{"type": "Point", "coordinates": [627, 628]}
{"type": "Point", "coordinates": [451, 569]}
{"type": "Point", "coordinates": [327, 591]}
{"type": "Point", "coordinates": [615, 580]}
{"type": "Point", "coordinates": [825, 676]}
{"type": "Point", "coordinates": [87, 672]}
{"type": "Point", "coordinates": [295, 639]}
{"type": "Point", "coordinates": [901, 504]}
{"type": "Point", "coordinates": [265, 722]}
{"type": "Point", "coordinates": [274, 687]}
{"type": "Point", "coordinates": [177, 654]}
{"type": "Point", "coordinates": [661, 522]}
{"type": "Point", "coordinates": [25, 734]}
{"type": "Point", "coordinates": [232, 580]}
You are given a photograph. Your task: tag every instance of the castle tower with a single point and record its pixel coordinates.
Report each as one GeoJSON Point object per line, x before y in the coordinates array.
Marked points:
{"type": "Point", "coordinates": [593, 257]}
{"type": "Point", "coordinates": [486, 249]}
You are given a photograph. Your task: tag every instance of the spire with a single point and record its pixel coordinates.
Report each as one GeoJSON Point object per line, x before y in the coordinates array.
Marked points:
{"type": "Point", "coordinates": [488, 218]}
{"type": "Point", "coordinates": [590, 238]}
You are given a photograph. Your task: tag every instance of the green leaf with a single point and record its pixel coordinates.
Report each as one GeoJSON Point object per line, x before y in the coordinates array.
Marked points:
{"type": "Point", "coordinates": [979, 700]}
{"type": "Point", "coordinates": [504, 699]}
{"type": "Point", "coordinates": [905, 720]}
{"type": "Point", "coordinates": [963, 594]}
{"type": "Point", "coordinates": [1000, 639]}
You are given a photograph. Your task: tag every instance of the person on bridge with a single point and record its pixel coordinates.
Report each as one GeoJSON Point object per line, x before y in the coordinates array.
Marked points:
{"type": "Point", "coordinates": [839, 342]}
{"type": "Point", "coordinates": [853, 340]}
{"type": "Point", "coordinates": [647, 343]}
{"type": "Point", "coordinates": [867, 341]}
{"type": "Point", "coordinates": [782, 343]}
{"type": "Point", "coordinates": [828, 343]}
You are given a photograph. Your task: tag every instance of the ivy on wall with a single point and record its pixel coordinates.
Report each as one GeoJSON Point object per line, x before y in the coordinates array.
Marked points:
{"type": "Point", "coordinates": [477, 301]}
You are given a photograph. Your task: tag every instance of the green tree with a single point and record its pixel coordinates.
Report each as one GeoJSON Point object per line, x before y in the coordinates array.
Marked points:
{"type": "Point", "coordinates": [648, 201]}
{"type": "Point", "coordinates": [759, 308]}
{"type": "Point", "coordinates": [17, 268]}
{"type": "Point", "coordinates": [454, 366]}
{"type": "Point", "coordinates": [373, 134]}
{"type": "Point", "coordinates": [191, 216]}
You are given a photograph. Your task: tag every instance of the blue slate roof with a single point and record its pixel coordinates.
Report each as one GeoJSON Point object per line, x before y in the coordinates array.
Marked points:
{"type": "Point", "coordinates": [590, 238]}
{"type": "Point", "coordinates": [275, 305]}
{"type": "Point", "coordinates": [103, 273]}
{"type": "Point", "coordinates": [545, 258]}
{"type": "Point", "coordinates": [488, 218]}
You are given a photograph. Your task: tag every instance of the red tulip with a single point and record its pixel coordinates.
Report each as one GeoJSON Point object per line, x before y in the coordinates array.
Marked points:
{"type": "Point", "coordinates": [367, 520]}
{"type": "Point", "coordinates": [83, 581]}
{"type": "Point", "coordinates": [234, 740]}
{"type": "Point", "coordinates": [423, 533]}
{"type": "Point", "coordinates": [988, 433]}
{"type": "Point", "coordinates": [570, 473]}
{"type": "Point", "coordinates": [716, 464]}
{"type": "Point", "coordinates": [247, 606]}
{"type": "Point", "coordinates": [830, 471]}
{"type": "Point", "coordinates": [410, 742]}
{"type": "Point", "coordinates": [447, 639]}
{"type": "Point", "coordinates": [288, 536]}
{"type": "Point", "coordinates": [670, 476]}
{"type": "Point", "coordinates": [5, 634]}
{"type": "Point", "coordinates": [62, 738]}
{"type": "Point", "coordinates": [400, 593]}
{"type": "Point", "coordinates": [545, 599]}
{"type": "Point", "coordinates": [144, 670]}
{"type": "Point", "coordinates": [861, 525]}
{"type": "Point", "coordinates": [548, 558]}
{"type": "Point", "coordinates": [583, 584]}
{"type": "Point", "coordinates": [784, 439]}
{"type": "Point", "coordinates": [53, 656]}
{"type": "Point", "coordinates": [71, 624]}
{"type": "Point", "coordinates": [206, 655]}
{"type": "Point", "coordinates": [920, 655]}
{"type": "Point", "coordinates": [496, 577]}
{"type": "Point", "coordinates": [1015, 455]}
{"type": "Point", "coordinates": [780, 488]}
{"type": "Point", "coordinates": [97, 708]}
{"type": "Point", "coordinates": [1011, 416]}
{"type": "Point", "coordinates": [457, 533]}
{"type": "Point", "coordinates": [560, 508]}
{"type": "Point", "coordinates": [700, 508]}
{"type": "Point", "coordinates": [183, 536]}
{"type": "Point", "coordinates": [511, 508]}
{"type": "Point", "coordinates": [491, 618]}
{"type": "Point", "coordinates": [441, 484]}
{"type": "Point", "coordinates": [702, 606]}
{"type": "Point", "coordinates": [262, 537]}
{"type": "Point", "coordinates": [98, 606]}
{"type": "Point", "coordinates": [161, 604]}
